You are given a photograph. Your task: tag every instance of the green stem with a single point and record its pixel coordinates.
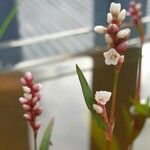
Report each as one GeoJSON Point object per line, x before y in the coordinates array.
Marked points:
{"type": "Point", "coordinates": [35, 143]}
{"type": "Point", "coordinates": [111, 123]}
{"type": "Point", "coordinates": [114, 93]}
{"type": "Point", "coordinates": [140, 31]}
{"type": "Point", "coordinates": [108, 145]}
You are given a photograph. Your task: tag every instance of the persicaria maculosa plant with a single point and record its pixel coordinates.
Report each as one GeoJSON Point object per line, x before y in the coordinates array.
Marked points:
{"type": "Point", "coordinates": [117, 44]}
{"type": "Point", "coordinates": [32, 108]}
{"type": "Point", "coordinates": [30, 102]}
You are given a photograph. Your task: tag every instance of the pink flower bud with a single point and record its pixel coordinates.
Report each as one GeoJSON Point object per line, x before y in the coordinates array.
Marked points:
{"type": "Point", "coordinates": [37, 125]}
{"type": "Point", "coordinates": [98, 109]}
{"type": "Point", "coordinates": [39, 86]}
{"type": "Point", "coordinates": [26, 107]}
{"type": "Point", "coordinates": [35, 99]}
{"type": "Point", "coordinates": [23, 81]}
{"type": "Point", "coordinates": [121, 59]}
{"type": "Point", "coordinates": [27, 96]}
{"type": "Point", "coordinates": [26, 89]}
{"type": "Point", "coordinates": [122, 47]}
{"type": "Point", "coordinates": [22, 100]}
{"type": "Point", "coordinates": [27, 116]}
{"type": "Point", "coordinates": [113, 29]}
{"type": "Point", "coordinates": [36, 107]}
{"type": "Point", "coordinates": [28, 76]}
{"type": "Point", "coordinates": [38, 111]}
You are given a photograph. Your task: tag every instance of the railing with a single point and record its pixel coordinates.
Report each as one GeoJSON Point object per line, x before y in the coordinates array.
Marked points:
{"type": "Point", "coordinates": [54, 36]}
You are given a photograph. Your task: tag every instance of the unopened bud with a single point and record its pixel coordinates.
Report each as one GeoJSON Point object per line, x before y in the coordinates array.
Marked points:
{"type": "Point", "coordinates": [37, 125]}
{"type": "Point", "coordinates": [109, 17]}
{"type": "Point", "coordinates": [22, 100]}
{"type": "Point", "coordinates": [27, 116]}
{"type": "Point", "coordinates": [138, 6]}
{"type": "Point", "coordinates": [122, 47]}
{"type": "Point", "coordinates": [123, 33]}
{"type": "Point", "coordinates": [115, 8]}
{"type": "Point", "coordinates": [121, 59]}
{"type": "Point", "coordinates": [26, 107]}
{"type": "Point", "coordinates": [23, 81]}
{"type": "Point", "coordinates": [27, 96]}
{"type": "Point", "coordinates": [113, 29]}
{"type": "Point", "coordinates": [28, 76]}
{"type": "Point", "coordinates": [122, 15]}
{"type": "Point", "coordinates": [26, 89]}
{"type": "Point", "coordinates": [108, 38]}
{"type": "Point", "coordinates": [100, 29]}
{"type": "Point", "coordinates": [98, 109]}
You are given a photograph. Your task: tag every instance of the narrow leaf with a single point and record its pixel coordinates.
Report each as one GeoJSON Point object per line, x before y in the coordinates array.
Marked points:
{"type": "Point", "coordinates": [9, 18]}
{"type": "Point", "coordinates": [88, 96]}
{"type": "Point", "coordinates": [46, 139]}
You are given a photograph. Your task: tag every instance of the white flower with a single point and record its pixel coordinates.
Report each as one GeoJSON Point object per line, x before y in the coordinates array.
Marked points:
{"type": "Point", "coordinates": [122, 15]}
{"type": "Point", "coordinates": [111, 57]}
{"type": "Point", "coordinates": [102, 97]}
{"type": "Point", "coordinates": [98, 109]}
{"type": "Point", "coordinates": [115, 8]}
{"type": "Point", "coordinates": [109, 17]}
{"type": "Point", "coordinates": [108, 39]}
{"type": "Point", "coordinates": [123, 33]}
{"type": "Point", "coordinates": [100, 29]}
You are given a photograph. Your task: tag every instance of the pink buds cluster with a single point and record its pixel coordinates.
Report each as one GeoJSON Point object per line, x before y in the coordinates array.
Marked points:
{"type": "Point", "coordinates": [30, 101]}
{"type": "Point", "coordinates": [135, 11]}
{"type": "Point", "coordinates": [115, 37]}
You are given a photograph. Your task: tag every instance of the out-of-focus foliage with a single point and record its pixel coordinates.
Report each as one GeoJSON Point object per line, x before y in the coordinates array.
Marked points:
{"type": "Point", "coordinates": [46, 139]}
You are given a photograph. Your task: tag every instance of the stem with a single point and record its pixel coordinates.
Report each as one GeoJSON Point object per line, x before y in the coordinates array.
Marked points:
{"type": "Point", "coordinates": [112, 113]}
{"type": "Point", "coordinates": [110, 125]}
{"type": "Point", "coordinates": [140, 31]}
{"type": "Point", "coordinates": [108, 145]}
{"type": "Point", "coordinates": [138, 81]}
{"type": "Point", "coordinates": [35, 144]}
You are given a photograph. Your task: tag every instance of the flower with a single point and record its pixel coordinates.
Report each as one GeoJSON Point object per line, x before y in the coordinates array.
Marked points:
{"type": "Point", "coordinates": [98, 108]}
{"type": "Point", "coordinates": [135, 11]}
{"type": "Point", "coordinates": [30, 101]}
{"type": "Point", "coordinates": [102, 97]}
{"type": "Point", "coordinates": [115, 37]}
{"type": "Point", "coordinates": [111, 57]}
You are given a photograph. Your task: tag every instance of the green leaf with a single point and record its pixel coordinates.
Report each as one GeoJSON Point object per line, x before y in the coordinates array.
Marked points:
{"type": "Point", "coordinates": [9, 18]}
{"type": "Point", "coordinates": [88, 96]}
{"type": "Point", "coordinates": [142, 109]}
{"type": "Point", "coordinates": [45, 143]}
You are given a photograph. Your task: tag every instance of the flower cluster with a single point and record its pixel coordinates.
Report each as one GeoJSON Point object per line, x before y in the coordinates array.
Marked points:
{"type": "Point", "coordinates": [30, 101]}
{"type": "Point", "coordinates": [135, 11]}
{"type": "Point", "coordinates": [115, 37]}
{"type": "Point", "coordinates": [102, 97]}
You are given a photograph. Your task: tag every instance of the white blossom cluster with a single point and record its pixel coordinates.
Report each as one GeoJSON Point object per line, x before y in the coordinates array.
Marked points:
{"type": "Point", "coordinates": [115, 37]}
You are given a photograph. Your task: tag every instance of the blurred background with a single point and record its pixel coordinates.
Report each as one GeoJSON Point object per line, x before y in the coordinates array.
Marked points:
{"type": "Point", "coordinates": [48, 38]}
